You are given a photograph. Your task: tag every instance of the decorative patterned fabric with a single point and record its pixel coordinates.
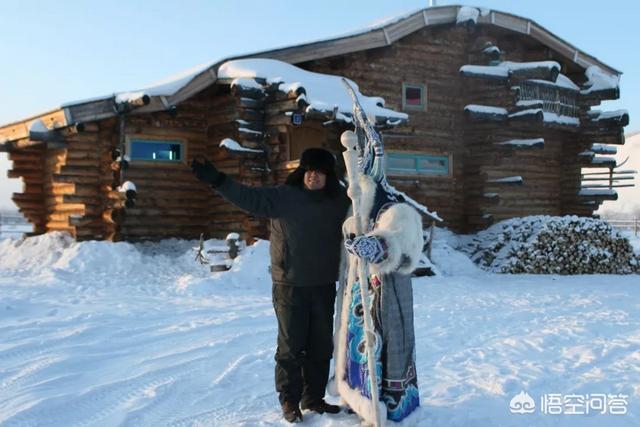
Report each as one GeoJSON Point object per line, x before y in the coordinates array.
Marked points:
{"type": "Point", "coordinates": [357, 368]}
{"type": "Point", "coordinates": [372, 248]}
{"type": "Point", "coordinates": [394, 345]}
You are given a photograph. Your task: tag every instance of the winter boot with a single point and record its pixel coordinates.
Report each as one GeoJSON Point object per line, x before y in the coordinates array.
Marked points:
{"type": "Point", "coordinates": [291, 412]}
{"type": "Point", "coordinates": [321, 407]}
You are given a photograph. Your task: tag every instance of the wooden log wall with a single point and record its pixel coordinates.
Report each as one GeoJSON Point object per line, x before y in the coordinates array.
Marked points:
{"type": "Point", "coordinates": [28, 164]}
{"type": "Point", "coordinates": [170, 201]}
{"type": "Point", "coordinates": [238, 115]}
{"type": "Point", "coordinates": [431, 56]}
{"type": "Point", "coordinates": [61, 191]}
{"type": "Point", "coordinates": [75, 202]}
{"type": "Point", "coordinates": [550, 176]}
{"type": "Point", "coordinates": [75, 188]}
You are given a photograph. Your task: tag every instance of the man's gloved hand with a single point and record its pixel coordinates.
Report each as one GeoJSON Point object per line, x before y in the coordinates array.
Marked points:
{"type": "Point", "coordinates": [371, 248]}
{"type": "Point", "coordinates": [207, 172]}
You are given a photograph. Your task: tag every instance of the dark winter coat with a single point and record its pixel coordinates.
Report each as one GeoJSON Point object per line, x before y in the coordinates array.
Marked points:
{"type": "Point", "coordinates": [306, 228]}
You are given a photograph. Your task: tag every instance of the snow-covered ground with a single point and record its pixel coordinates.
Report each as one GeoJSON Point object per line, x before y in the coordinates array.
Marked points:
{"type": "Point", "coordinates": [106, 334]}
{"type": "Point", "coordinates": [14, 230]}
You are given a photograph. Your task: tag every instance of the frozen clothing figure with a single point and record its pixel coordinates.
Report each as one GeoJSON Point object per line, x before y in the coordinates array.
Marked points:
{"type": "Point", "coordinates": [375, 357]}
{"type": "Point", "coordinates": [391, 246]}
{"type": "Point", "coordinates": [306, 214]}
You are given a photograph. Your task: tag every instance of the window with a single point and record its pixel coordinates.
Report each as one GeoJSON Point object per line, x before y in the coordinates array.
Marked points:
{"type": "Point", "coordinates": [417, 164]}
{"type": "Point", "coordinates": [413, 96]}
{"type": "Point", "coordinates": [155, 150]}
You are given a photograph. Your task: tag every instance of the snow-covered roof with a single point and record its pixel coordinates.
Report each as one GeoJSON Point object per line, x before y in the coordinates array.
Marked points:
{"type": "Point", "coordinates": [388, 30]}
{"type": "Point", "coordinates": [560, 119]}
{"type": "Point", "coordinates": [562, 81]}
{"type": "Point", "coordinates": [323, 92]}
{"type": "Point", "coordinates": [598, 80]}
{"type": "Point", "coordinates": [232, 145]}
{"type": "Point", "coordinates": [507, 180]}
{"type": "Point", "coordinates": [523, 142]}
{"type": "Point", "coordinates": [505, 69]}
{"type": "Point", "coordinates": [486, 109]}
{"type": "Point", "coordinates": [603, 149]}
{"type": "Point", "coordinates": [470, 14]}
{"type": "Point", "coordinates": [37, 126]}
{"type": "Point", "coordinates": [178, 87]}
{"type": "Point", "coordinates": [164, 87]}
{"type": "Point", "coordinates": [587, 192]}
{"type": "Point", "coordinates": [618, 115]}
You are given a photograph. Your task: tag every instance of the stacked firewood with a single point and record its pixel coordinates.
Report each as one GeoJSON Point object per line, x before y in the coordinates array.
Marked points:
{"type": "Point", "coordinates": [553, 245]}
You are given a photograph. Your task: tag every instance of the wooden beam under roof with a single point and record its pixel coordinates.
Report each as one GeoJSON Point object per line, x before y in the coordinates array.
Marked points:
{"type": "Point", "coordinates": [18, 130]}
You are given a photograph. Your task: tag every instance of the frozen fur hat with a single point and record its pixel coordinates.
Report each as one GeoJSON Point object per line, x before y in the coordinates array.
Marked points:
{"type": "Point", "coordinates": [321, 160]}
{"type": "Point", "coordinates": [318, 159]}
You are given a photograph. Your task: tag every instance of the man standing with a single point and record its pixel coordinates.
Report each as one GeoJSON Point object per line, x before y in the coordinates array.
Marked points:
{"type": "Point", "coordinates": [306, 214]}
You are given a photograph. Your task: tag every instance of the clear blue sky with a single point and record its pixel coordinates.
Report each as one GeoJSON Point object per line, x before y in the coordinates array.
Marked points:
{"type": "Point", "coordinates": [56, 52]}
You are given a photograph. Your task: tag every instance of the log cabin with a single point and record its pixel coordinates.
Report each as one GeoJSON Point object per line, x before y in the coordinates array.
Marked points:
{"type": "Point", "coordinates": [485, 115]}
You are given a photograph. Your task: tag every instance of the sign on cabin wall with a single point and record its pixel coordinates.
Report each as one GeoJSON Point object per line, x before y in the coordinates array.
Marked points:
{"type": "Point", "coordinates": [297, 119]}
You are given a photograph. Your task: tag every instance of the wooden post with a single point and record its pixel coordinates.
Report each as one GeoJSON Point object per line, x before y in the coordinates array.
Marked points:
{"type": "Point", "coordinates": [610, 177]}
{"type": "Point", "coordinates": [121, 145]}
{"type": "Point", "coordinates": [431, 233]}
{"type": "Point", "coordinates": [233, 240]}
{"type": "Point", "coordinates": [200, 256]}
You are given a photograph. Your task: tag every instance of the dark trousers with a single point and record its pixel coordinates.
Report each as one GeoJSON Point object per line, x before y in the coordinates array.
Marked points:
{"type": "Point", "coordinates": [305, 341]}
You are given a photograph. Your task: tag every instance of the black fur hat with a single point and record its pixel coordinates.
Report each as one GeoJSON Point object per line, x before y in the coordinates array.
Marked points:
{"type": "Point", "coordinates": [321, 160]}
{"type": "Point", "coordinates": [318, 159]}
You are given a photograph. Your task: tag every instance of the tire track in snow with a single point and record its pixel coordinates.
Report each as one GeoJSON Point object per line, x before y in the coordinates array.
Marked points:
{"type": "Point", "coordinates": [209, 392]}
{"type": "Point", "coordinates": [95, 404]}
{"type": "Point", "coordinates": [102, 401]}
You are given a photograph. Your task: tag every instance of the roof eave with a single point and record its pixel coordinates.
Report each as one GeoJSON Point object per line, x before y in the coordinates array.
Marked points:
{"type": "Point", "coordinates": [389, 33]}
{"type": "Point", "coordinates": [369, 39]}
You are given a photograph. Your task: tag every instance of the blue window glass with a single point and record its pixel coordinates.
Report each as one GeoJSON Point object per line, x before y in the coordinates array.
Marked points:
{"type": "Point", "coordinates": [154, 150]}
{"type": "Point", "coordinates": [417, 164]}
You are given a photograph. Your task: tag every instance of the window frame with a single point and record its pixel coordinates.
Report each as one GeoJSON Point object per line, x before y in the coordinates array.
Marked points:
{"type": "Point", "coordinates": [416, 156]}
{"type": "Point", "coordinates": [423, 96]}
{"type": "Point", "coordinates": [142, 138]}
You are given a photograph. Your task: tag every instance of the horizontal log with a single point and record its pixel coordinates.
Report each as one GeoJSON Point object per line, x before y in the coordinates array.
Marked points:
{"type": "Point", "coordinates": [251, 103]}
{"type": "Point", "coordinates": [33, 206]}
{"type": "Point", "coordinates": [133, 233]}
{"type": "Point", "coordinates": [22, 197]}
{"type": "Point", "coordinates": [600, 95]}
{"type": "Point", "coordinates": [75, 179]}
{"type": "Point", "coordinates": [161, 221]}
{"type": "Point", "coordinates": [250, 115]}
{"type": "Point", "coordinates": [31, 177]}
{"type": "Point", "coordinates": [85, 171]}
{"type": "Point", "coordinates": [241, 91]}
{"type": "Point", "coordinates": [176, 212]}
{"type": "Point", "coordinates": [24, 156]}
